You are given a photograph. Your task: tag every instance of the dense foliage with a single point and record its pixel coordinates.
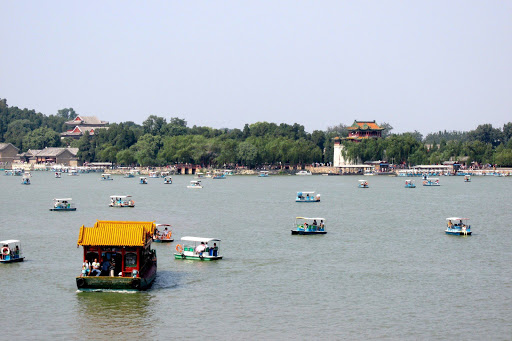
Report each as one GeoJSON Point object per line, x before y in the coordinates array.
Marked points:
{"type": "Point", "coordinates": [161, 142]}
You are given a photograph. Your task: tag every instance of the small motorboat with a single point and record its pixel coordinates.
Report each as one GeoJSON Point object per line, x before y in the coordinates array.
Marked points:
{"type": "Point", "coordinates": [106, 177]}
{"type": "Point", "coordinates": [121, 201]}
{"type": "Point", "coordinates": [467, 178]}
{"type": "Point", "coordinates": [363, 184]}
{"type": "Point", "coordinates": [195, 184]}
{"type": "Point", "coordinates": [303, 172]}
{"type": "Point", "coordinates": [409, 184]}
{"type": "Point", "coordinates": [198, 248]}
{"type": "Point", "coordinates": [263, 174]}
{"type": "Point", "coordinates": [143, 180]}
{"type": "Point", "coordinates": [163, 234]}
{"type": "Point", "coordinates": [63, 204]}
{"type": "Point", "coordinates": [11, 251]}
{"type": "Point", "coordinates": [58, 175]}
{"type": "Point", "coordinates": [431, 182]}
{"type": "Point", "coordinates": [168, 180]}
{"type": "Point", "coordinates": [25, 180]}
{"type": "Point", "coordinates": [307, 197]}
{"type": "Point", "coordinates": [305, 225]}
{"type": "Point", "coordinates": [458, 226]}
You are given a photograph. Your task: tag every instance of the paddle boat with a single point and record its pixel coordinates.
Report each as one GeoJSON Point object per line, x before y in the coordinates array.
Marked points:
{"type": "Point", "coordinates": [198, 248]}
{"type": "Point", "coordinates": [199, 175]}
{"type": "Point", "coordinates": [305, 225]}
{"type": "Point", "coordinates": [153, 174]}
{"type": "Point", "coordinates": [58, 175]}
{"type": "Point", "coordinates": [73, 172]}
{"type": "Point", "coordinates": [195, 184]}
{"type": "Point", "coordinates": [263, 174]}
{"type": "Point", "coordinates": [117, 255]}
{"type": "Point", "coordinates": [369, 173]}
{"type": "Point", "coordinates": [303, 172]}
{"type": "Point", "coordinates": [164, 174]}
{"type": "Point", "coordinates": [431, 182]}
{"type": "Point", "coordinates": [106, 177]}
{"type": "Point", "coordinates": [25, 180]}
{"type": "Point", "coordinates": [307, 197]}
{"type": "Point", "coordinates": [11, 251]}
{"type": "Point", "coordinates": [467, 178]}
{"type": "Point", "coordinates": [63, 204]}
{"type": "Point", "coordinates": [208, 174]}
{"type": "Point", "coordinates": [121, 201]}
{"type": "Point", "coordinates": [128, 175]}
{"type": "Point", "coordinates": [218, 175]}
{"type": "Point", "coordinates": [143, 180]}
{"type": "Point", "coordinates": [228, 172]}
{"type": "Point", "coordinates": [168, 180]}
{"type": "Point", "coordinates": [409, 184]}
{"type": "Point", "coordinates": [18, 172]}
{"type": "Point", "coordinates": [458, 226]}
{"type": "Point", "coordinates": [163, 234]}
{"type": "Point", "coordinates": [363, 184]}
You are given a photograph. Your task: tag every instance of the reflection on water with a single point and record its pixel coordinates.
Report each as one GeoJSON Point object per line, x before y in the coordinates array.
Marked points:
{"type": "Point", "coordinates": [115, 313]}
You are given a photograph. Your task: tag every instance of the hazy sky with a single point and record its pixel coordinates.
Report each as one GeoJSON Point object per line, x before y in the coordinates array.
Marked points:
{"type": "Point", "coordinates": [425, 66]}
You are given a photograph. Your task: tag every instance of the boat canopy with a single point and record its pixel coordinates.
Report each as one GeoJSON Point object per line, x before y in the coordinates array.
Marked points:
{"type": "Point", "coordinates": [116, 233]}
{"type": "Point", "coordinates": [304, 192]}
{"type": "Point", "coordinates": [158, 225]}
{"type": "Point", "coordinates": [310, 218]}
{"type": "Point", "coordinates": [199, 239]}
{"type": "Point", "coordinates": [62, 199]}
{"type": "Point", "coordinates": [456, 218]}
{"type": "Point", "coordinates": [105, 174]}
{"type": "Point", "coordinates": [195, 181]}
{"type": "Point", "coordinates": [362, 180]}
{"type": "Point", "coordinates": [121, 196]}
{"type": "Point", "coordinates": [433, 179]}
{"type": "Point", "coordinates": [143, 177]}
{"type": "Point", "coordinates": [9, 241]}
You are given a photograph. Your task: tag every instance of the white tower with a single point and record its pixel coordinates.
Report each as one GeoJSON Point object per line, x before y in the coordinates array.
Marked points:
{"type": "Point", "coordinates": [338, 159]}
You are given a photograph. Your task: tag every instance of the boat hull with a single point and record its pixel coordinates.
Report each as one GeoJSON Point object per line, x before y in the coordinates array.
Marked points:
{"type": "Point", "coordinates": [63, 209]}
{"type": "Point", "coordinates": [100, 283]}
{"type": "Point", "coordinates": [295, 232]}
{"type": "Point", "coordinates": [163, 240]}
{"type": "Point", "coordinates": [307, 200]}
{"type": "Point", "coordinates": [12, 260]}
{"type": "Point", "coordinates": [458, 233]}
{"type": "Point", "coordinates": [203, 258]}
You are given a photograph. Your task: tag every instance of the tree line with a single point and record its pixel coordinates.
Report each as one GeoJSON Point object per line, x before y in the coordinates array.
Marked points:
{"type": "Point", "coordinates": [161, 142]}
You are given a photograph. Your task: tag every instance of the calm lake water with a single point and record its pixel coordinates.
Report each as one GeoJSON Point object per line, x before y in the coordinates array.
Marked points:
{"type": "Point", "coordinates": [384, 270]}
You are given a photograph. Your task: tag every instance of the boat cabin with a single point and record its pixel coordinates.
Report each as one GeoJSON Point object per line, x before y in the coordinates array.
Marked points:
{"type": "Point", "coordinates": [167, 180]}
{"type": "Point", "coordinates": [117, 255]}
{"type": "Point", "coordinates": [304, 226]}
{"type": "Point", "coordinates": [307, 197]}
{"type": "Point", "coordinates": [143, 180]}
{"type": "Point", "coordinates": [458, 226]}
{"type": "Point", "coordinates": [63, 204]}
{"type": "Point", "coordinates": [11, 251]}
{"type": "Point", "coordinates": [106, 177]}
{"type": "Point", "coordinates": [121, 201]}
{"type": "Point", "coordinates": [198, 248]}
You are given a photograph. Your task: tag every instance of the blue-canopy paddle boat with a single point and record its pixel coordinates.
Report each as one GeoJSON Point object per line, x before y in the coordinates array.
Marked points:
{"type": "Point", "coordinates": [409, 184]}
{"type": "Point", "coordinates": [63, 204]}
{"type": "Point", "coordinates": [307, 197]}
{"type": "Point", "coordinates": [305, 225]}
{"type": "Point", "coordinates": [363, 184]}
{"type": "Point", "coordinates": [143, 180]}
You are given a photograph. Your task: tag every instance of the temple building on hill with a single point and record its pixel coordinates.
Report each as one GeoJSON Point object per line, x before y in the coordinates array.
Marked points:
{"type": "Point", "coordinates": [82, 124]}
{"type": "Point", "coordinates": [364, 130]}
{"type": "Point", "coordinates": [358, 131]}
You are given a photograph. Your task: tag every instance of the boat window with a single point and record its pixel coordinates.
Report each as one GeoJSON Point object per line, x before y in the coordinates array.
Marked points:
{"type": "Point", "coordinates": [90, 256]}
{"type": "Point", "coordinates": [130, 260]}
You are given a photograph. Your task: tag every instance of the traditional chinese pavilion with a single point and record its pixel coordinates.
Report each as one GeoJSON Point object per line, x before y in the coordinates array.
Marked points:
{"type": "Point", "coordinates": [360, 130]}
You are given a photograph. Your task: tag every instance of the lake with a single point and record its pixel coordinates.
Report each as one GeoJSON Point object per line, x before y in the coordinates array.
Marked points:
{"type": "Point", "coordinates": [384, 270]}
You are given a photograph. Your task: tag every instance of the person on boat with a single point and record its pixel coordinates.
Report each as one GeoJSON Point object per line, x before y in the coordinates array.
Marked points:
{"type": "Point", "coordinates": [305, 226]}
{"type": "Point", "coordinates": [105, 267]}
{"type": "Point", "coordinates": [86, 267]}
{"type": "Point", "coordinates": [314, 222]}
{"type": "Point", "coordinates": [17, 250]}
{"type": "Point", "coordinates": [112, 267]}
{"type": "Point", "coordinates": [321, 224]}
{"type": "Point", "coordinates": [450, 224]}
{"type": "Point", "coordinates": [165, 234]}
{"type": "Point", "coordinates": [200, 248]}
{"type": "Point", "coordinates": [95, 268]}
{"type": "Point", "coordinates": [215, 249]}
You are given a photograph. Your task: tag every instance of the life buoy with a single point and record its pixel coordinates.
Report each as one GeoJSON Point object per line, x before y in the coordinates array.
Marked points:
{"type": "Point", "coordinates": [179, 248]}
{"type": "Point", "coordinates": [169, 235]}
{"type": "Point", "coordinates": [5, 251]}
{"type": "Point", "coordinates": [80, 282]}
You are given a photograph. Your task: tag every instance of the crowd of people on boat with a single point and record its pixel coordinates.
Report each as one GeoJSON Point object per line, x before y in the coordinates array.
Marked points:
{"type": "Point", "coordinates": [164, 234]}
{"type": "Point", "coordinates": [314, 226]}
{"type": "Point", "coordinates": [11, 252]}
{"type": "Point", "coordinates": [456, 225]}
{"type": "Point", "coordinates": [203, 247]}
{"type": "Point", "coordinates": [96, 269]}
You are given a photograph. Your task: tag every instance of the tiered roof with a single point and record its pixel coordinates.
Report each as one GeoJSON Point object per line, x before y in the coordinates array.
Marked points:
{"type": "Point", "coordinates": [365, 125]}
{"type": "Point", "coordinates": [116, 233]}
{"type": "Point", "coordinates": [89, 120]}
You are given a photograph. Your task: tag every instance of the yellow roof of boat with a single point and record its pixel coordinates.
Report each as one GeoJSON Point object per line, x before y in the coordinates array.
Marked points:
{"type": "Point", "coordinates": [117, 233]}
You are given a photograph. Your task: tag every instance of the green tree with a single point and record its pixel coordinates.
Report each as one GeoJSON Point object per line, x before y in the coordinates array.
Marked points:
{"type": "Point", "coordinates": [41, 138]}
